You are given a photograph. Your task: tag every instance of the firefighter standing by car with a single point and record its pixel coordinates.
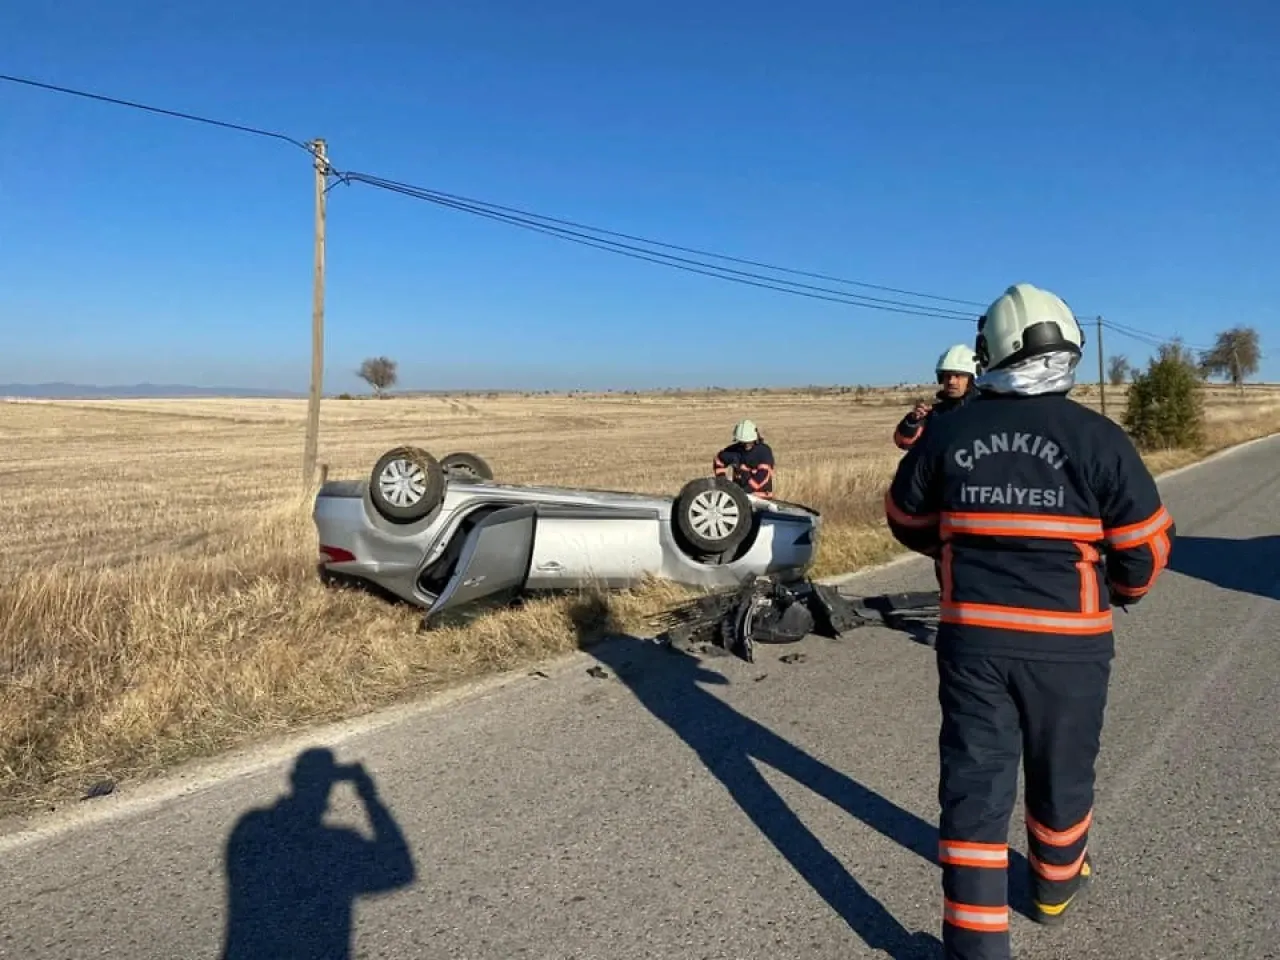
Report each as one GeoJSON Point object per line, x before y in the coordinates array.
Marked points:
{"type": "Point", "coordinates": [1042, 515]}
{"type": "Point", "coordinates": [748, 461]}
{"type": "Point", "coordinates": [955, 371]}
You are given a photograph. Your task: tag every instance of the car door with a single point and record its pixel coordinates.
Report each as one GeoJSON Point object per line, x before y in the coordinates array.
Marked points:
{"type": "Point", "coordinates": [494, 560]}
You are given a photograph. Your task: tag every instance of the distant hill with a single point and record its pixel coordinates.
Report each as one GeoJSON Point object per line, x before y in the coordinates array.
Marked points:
{"type": "Point", "coordinates": [137, 391]}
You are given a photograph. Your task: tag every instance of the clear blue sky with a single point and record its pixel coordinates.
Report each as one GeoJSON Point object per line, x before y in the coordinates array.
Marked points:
{"type": "Point", "coordinates": [1122, 154]}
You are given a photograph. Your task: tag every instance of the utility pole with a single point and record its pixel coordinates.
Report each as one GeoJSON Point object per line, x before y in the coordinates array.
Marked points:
{"type": "Point", "coordinates": [317, 317]}
{"type": "Point", "coordinates": [1102, 373]}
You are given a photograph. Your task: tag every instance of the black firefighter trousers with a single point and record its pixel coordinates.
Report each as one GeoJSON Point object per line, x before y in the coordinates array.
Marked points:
{"type": "Point", "coordinates": [993, 709]}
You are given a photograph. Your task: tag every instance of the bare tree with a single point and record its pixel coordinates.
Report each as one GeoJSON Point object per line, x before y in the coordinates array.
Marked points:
{"type": "Point", "coordinates": [379, 373]}
{"type": "Point", "coordinates": [1118, 370]}
{"type": "Point", "coordinates": [1234, 355]}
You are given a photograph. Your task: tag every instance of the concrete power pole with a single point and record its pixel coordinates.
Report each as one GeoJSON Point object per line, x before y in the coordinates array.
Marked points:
{"type": "Point", "coordinates": [317, 318]}
{"type": "Point", "coordinates": [1102, 373]}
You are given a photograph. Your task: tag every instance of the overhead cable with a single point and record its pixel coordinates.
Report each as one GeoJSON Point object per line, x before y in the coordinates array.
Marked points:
{"type": "Point", "coordinates": [256, 131]}
{"type": "Point", "coordinates": [549, 226]}
{"type": "Point", "coordinates": [426, 193]}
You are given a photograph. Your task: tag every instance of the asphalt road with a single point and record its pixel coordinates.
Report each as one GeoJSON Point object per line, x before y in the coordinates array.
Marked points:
{"type": "Point", "coordinates": [679, 809]}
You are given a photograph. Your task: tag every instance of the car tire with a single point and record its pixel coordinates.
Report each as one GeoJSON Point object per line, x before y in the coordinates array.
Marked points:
{"type": "Point", "coordinates": [466, 466]}
{"type": "Point", "coordinates": [406, 484]}
{"type": "Point", "coordinates": [712, 514]}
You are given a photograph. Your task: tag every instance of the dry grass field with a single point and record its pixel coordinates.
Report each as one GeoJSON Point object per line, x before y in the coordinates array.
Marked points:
{"type": "Point", "coordinates": [159, 599]}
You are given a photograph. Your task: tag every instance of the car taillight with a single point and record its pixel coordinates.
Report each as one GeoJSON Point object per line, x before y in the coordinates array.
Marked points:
{"type": "Point", "coordinates": [335, 555]}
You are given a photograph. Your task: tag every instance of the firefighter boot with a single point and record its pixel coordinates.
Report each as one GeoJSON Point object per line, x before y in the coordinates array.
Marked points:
{"type": "Point", "coordinates": [1055, 914]}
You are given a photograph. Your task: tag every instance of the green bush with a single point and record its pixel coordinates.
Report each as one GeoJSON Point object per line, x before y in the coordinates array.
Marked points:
{"type": "Point", "coordinates": [1166, 407]}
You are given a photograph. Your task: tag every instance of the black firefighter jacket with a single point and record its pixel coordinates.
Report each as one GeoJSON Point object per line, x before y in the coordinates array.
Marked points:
{"type": "Point", "coordinates": [910, 429]}
{"type": "Point", "coordinates": [750, 469]}
{"type": "Point", "coordinates": [1041, 514]}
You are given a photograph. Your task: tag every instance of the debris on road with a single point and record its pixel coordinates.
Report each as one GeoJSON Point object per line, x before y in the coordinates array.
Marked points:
{"type": "Point", "coordinates": [768, 610]}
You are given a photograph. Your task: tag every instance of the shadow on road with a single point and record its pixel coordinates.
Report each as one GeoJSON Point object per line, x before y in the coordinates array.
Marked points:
{"type": "Point", "coordinates": [667, 682]}
{"type": "Point", "coordinates": [919, 629]}
{"type": "Point", "coordinates": [292, 880]}
{"type": "Point", "coordinates": [1246, 566]}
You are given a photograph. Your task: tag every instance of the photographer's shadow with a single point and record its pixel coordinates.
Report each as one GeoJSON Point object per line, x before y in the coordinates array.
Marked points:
{"type": "Point", "coordinates": [292, 880]}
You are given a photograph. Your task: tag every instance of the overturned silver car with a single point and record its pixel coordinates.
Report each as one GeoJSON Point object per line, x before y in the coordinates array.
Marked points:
{"type": "Point", "coordinates": [443, 534]}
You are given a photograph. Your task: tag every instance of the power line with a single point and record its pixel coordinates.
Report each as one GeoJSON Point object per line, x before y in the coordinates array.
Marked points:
{"type": "Point", "coordinates": [551, 228]}
{"type": "Point", "coordinates": [160, 110]}
{"type": "Point", "coordinates": [441, 196]}
{"type": "Point", "coordinates": [1135, 331]}
{"type": "Point", "coordinates": [1148, 338]}
{"type": "Point", "coordinates": [1152, 340]}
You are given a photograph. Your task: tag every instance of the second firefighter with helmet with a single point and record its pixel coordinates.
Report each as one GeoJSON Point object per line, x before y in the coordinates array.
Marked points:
{"type": "Point", "coordinates": [955, 370]}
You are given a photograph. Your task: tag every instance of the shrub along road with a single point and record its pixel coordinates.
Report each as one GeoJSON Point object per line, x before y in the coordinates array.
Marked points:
{"type": "Point", "coordinates": [676, 808]}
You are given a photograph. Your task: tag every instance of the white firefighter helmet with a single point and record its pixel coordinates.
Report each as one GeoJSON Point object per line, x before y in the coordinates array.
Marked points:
{"type": "Point", "coordinates": [745, 432]}
{"type": "Point", "coordinates": [1023, 322]}
{"type": "Point", "coordinates": [958, 358]}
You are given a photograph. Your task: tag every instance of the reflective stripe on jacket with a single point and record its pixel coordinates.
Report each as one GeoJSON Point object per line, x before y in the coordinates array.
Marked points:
{"type": "Point", "coordinates": [1041, 514]}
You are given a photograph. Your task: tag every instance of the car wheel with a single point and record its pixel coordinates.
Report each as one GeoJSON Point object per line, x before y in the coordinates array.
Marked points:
{"type": "Point", "coordinates": [713, 514]}
{"type": "Point", "coordinates": [466, 466]}
{"type": "Point", "coordinates": [406, 484]}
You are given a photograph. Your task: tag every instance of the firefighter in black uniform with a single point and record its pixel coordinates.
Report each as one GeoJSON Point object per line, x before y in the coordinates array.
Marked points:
{"type": "Point", "coordinates": [1041, 516]}
{"type": "Point", "coordinates": [747, 461]}
{"type": "Point", "coordinates": [955, 371]}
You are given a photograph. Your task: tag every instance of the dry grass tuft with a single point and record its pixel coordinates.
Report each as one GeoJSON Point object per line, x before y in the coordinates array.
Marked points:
{"type": "Point", "coordinates": [159, 599]}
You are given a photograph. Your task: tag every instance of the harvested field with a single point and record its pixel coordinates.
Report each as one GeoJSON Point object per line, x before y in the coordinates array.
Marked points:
{"type": "Point", "coordinates": [159, 598]}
